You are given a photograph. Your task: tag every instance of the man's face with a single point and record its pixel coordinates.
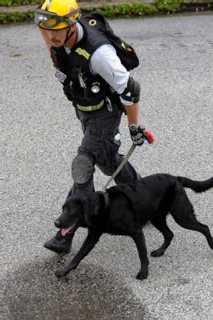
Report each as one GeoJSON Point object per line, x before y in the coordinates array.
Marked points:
{"type": "Point", "coordinates": [54, 38]}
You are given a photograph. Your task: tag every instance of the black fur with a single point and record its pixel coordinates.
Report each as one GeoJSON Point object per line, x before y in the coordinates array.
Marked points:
{"type": "Point", "coordinates": [124, 209]}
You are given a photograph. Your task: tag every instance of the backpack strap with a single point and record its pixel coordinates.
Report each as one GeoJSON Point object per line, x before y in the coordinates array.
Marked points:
{"type": "Point", "coordinates": [125, 52]}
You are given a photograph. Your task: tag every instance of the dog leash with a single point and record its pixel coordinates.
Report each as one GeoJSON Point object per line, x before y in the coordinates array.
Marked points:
{"type": "Point", "coordinates": [123, 162]}
{"type": "Point", "coordinates": [149, 138]}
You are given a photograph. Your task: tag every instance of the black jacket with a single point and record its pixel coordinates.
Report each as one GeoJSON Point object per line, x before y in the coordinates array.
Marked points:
{"type": "Point", "coordinates": [80, 82]}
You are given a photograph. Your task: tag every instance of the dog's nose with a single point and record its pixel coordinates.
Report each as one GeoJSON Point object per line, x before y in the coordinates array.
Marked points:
{"type": "Point", "coordinates": [57, 223]}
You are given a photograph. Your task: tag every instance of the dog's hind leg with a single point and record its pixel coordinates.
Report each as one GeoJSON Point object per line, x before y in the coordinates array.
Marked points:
{"type": "Point", "coordinates": [140, 242]}
{"type": "Point", "coordinates": [160, 223]}
{"type": "Point", "coordinates": [183, 213]}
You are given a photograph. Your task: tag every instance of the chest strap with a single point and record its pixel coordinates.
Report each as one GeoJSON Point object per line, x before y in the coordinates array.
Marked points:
{"type": "Point", "coordinates": [90, 108]}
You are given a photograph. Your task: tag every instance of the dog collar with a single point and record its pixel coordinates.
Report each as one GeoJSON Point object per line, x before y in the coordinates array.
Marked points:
{"type": "Point", "coordinates": [106, 200]}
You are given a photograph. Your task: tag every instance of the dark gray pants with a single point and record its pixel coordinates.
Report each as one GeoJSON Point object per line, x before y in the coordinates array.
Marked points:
{"type": "Point", "coordinates": [99, 129]}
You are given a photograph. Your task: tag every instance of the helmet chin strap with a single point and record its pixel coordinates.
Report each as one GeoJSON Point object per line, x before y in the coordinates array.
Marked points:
{"type": "Point", "coordinates": [68, 36]}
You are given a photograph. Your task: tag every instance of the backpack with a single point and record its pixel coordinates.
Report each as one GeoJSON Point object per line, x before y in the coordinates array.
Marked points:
{"type": "Point", "coordinates": [124, 51]}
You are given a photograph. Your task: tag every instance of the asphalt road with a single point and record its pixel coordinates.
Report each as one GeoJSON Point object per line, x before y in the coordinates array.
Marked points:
{"type": "Point", "coordinates": [40, 136]}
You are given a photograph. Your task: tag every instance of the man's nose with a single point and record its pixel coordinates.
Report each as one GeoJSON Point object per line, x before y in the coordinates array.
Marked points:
{"type": "Point", "coordinates": [51, 34]}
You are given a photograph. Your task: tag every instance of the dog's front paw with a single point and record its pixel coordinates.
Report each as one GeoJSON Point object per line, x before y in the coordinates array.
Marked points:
{"type": "Point", "coordinates": [60, 273]}
{"type": "Point", "coordinates": [142, 274]}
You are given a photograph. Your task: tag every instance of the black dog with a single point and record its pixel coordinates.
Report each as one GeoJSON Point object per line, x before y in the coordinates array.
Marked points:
{"type": "Point", "coordinates": [124, 209]}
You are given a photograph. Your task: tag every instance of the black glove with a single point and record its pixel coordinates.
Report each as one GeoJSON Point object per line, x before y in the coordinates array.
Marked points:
{"type": "Point", "coordinates": [137, 133]}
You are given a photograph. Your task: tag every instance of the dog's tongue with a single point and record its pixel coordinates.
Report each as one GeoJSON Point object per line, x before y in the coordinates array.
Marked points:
{"type": "Point", "coordinates": [64, 231]}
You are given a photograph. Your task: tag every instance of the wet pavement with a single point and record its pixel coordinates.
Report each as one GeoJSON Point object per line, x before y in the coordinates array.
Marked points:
{"type": "Point", "coordinates": [85, 296]}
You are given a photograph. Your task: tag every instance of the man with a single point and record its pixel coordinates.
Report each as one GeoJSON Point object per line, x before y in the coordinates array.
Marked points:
{"type": "Point", "coordinates": [100, 89]}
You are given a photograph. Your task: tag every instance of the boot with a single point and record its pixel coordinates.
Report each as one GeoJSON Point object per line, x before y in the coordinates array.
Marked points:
{"type": "Point", "coordinates": [60, 244]}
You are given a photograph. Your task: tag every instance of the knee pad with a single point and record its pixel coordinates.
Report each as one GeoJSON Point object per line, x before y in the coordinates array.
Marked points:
{"type": "Point", "coordinates": [82, 168]}
{"type": "Point", "coordinates": [132, 92]}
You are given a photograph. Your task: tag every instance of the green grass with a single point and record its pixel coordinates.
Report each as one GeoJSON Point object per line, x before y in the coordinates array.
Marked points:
{"type": "Point", "coordinates": [135, 9]}
{"type": "Point", "coordinates": [127, 10]}
{"type": "Point", "coordinates": [14, 3]}
{"type": "Point", "coordinates": [169, 6]}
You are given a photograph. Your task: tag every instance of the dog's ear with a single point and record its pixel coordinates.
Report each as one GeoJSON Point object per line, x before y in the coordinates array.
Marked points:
{"type": "Point", "coordinates": [95, 207]}
{"type": "Point", "coordinates": [74, 206]}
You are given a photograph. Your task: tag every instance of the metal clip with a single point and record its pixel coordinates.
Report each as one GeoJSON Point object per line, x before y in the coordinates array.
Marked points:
{"type": "Point", "coordinates": [81, 81]}
{"type": "Point", "coordinates": [117, 139]}
{"type": "Point", "coordinates": [109, 104]}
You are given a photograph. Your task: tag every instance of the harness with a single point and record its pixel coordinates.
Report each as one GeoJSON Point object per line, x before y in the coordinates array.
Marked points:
{"type": "Point", "coordinates": [87, 91]}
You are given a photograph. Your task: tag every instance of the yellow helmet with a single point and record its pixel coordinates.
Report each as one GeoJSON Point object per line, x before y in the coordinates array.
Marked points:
{"type": "Point", "coordinates": [57, 14]}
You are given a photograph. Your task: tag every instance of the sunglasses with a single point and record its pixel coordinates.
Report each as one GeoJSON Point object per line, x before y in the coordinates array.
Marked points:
{"type": "Point", "coordinates": [48, 20]}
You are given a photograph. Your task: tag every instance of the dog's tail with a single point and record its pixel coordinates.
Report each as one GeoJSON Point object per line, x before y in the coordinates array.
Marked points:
{"type": "Point", "coordinates": [197, 186]}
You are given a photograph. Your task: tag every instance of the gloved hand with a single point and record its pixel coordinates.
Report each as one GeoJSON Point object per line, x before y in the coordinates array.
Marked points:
{"type": "Point", "coordinates": [137, 133]}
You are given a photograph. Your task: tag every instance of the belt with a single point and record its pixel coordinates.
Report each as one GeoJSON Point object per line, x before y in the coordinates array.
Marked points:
{"type": "Point", "coordinates": [90, 108]}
